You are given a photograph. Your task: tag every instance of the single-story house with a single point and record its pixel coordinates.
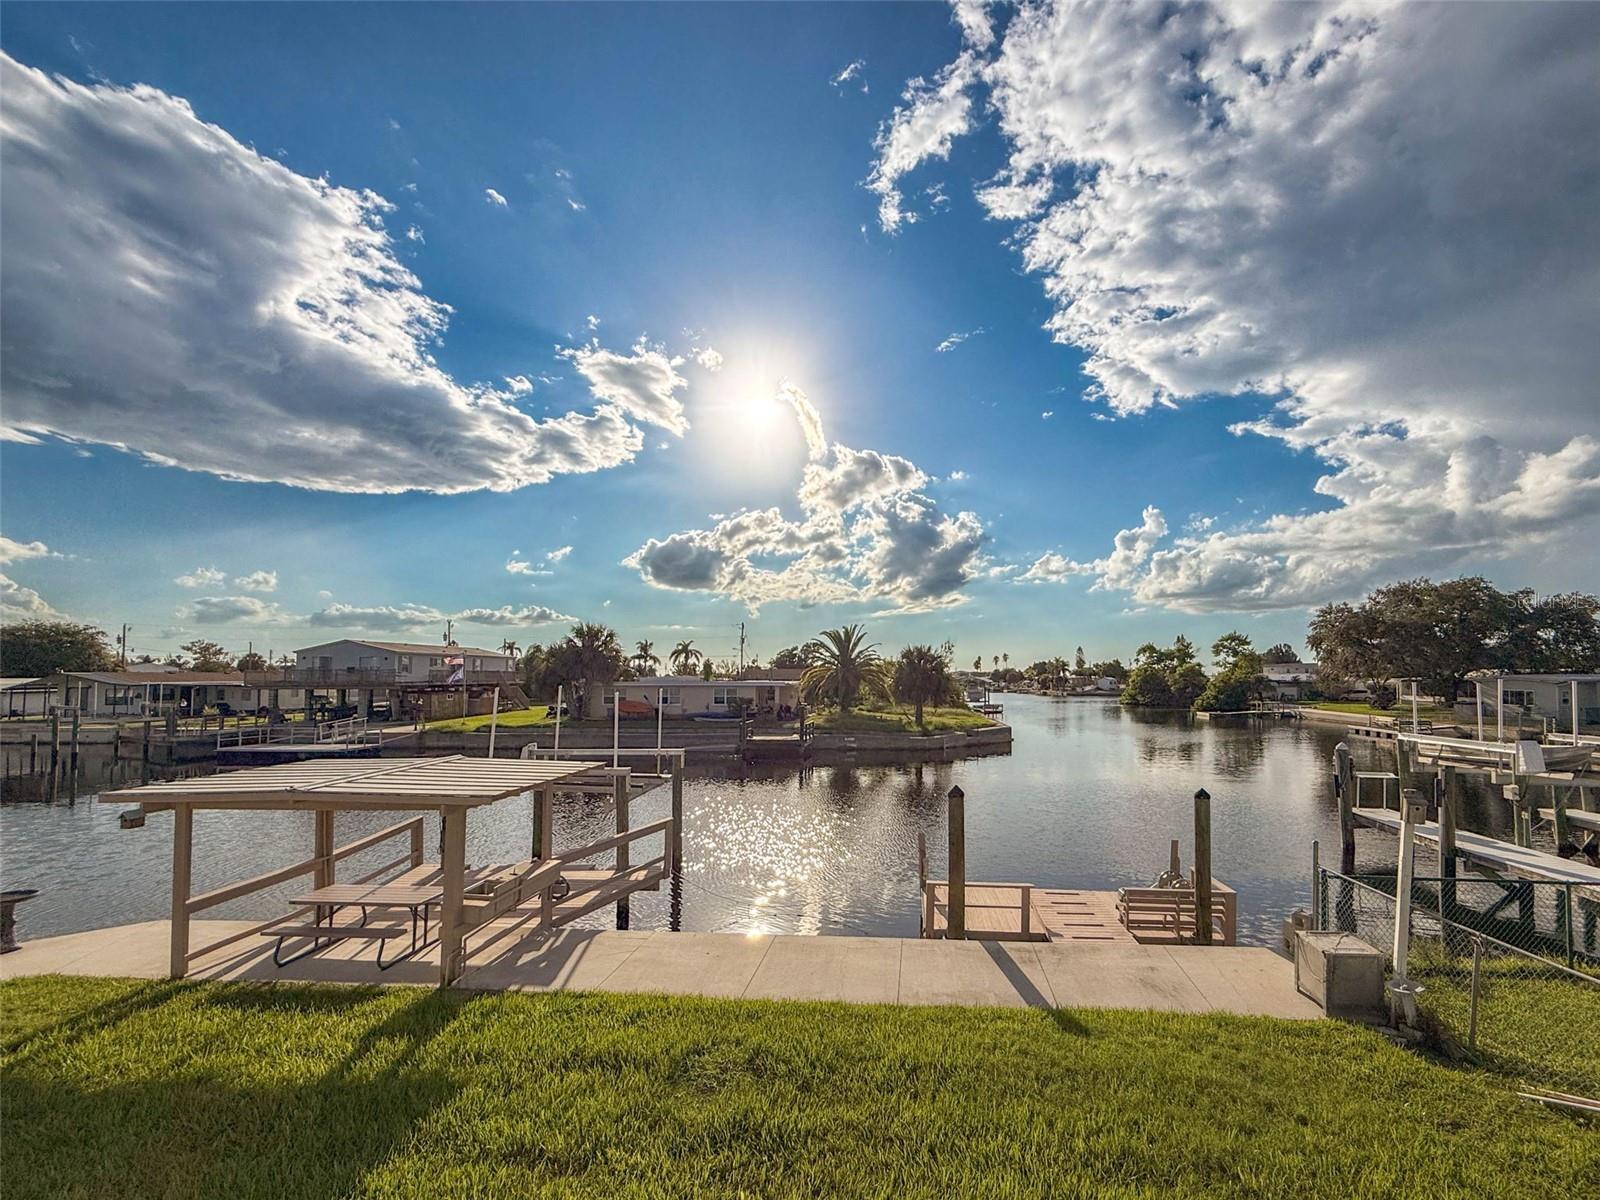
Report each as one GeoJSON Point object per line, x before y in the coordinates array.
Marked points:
{"type": "Point", "coordinates": [689, 695]}
{"type": "Point", "coordinates": [1548, 696]}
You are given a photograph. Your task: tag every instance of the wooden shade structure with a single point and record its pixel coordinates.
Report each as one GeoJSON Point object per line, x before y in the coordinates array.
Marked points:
{"type": "Point", "coordinates": [451, 786]}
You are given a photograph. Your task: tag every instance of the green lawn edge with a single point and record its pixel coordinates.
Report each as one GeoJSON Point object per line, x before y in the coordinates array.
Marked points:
{"type": "Point", "coordinates": [129, 1088]}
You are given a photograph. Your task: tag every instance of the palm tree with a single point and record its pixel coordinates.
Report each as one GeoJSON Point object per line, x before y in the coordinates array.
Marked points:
{"type": "Point", "coordinates": [509, 648]}
{"type": "Point", "coordinates": [844, 666]}
{"type": "Point", "coordinates": [645, 656]}
{"type": "Point", "coordinates": [922, 676]}
{"type": "Point", "coordinates": [1006, 658]}
{"type": "Point", "coordinates": [977, 663]}
{"type": "Point", "coordinates": [597, 659]}
{"type": "Point", "coordinates": [685, 658]}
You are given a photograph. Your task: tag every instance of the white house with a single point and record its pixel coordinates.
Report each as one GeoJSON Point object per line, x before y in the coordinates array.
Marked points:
{"type": "Point", "coordinates": [1290, 681]}
{"type": "Point", "coordinates": [1548, 696]}
{"type": "Point", "coordinates": [350, 662]}
{"type": "Point", "coordinates": [689, 695]}
{"type": "Point", "coordinates": [25, 697]}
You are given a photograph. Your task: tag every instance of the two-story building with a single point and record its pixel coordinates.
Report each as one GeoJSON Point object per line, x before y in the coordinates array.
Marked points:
{"type": "Point", "coordinates": [352, 662]}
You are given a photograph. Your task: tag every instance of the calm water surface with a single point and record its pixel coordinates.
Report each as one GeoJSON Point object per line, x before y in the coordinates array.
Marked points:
{"type": "Point", "coordinates": [1089, 797]}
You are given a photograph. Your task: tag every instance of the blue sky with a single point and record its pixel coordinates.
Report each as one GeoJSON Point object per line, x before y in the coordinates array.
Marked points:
{"type": "Point", "coordinates": [668, 180]}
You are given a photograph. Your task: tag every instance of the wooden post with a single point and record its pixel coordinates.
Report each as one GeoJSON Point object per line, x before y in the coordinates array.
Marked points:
{"type": "Point", "coordinates": [543, 822]}
{"type": "Point", "coordinates": [453, 848]}
{"type": "Point", "coordinates": [33, 754]}
{"type": "Point", "coordinates": [182, 857]}
{"type": "Point", "coordinates": [144, 748]}
{"type": "Point", "coordinates": [73, 745]}
{"type": "Point", "coordinates": [416, 844]}
{"type": "Point", "coordinates": [1445, 791]}
{"type": "Point", "coordinates": [322, 846]}
{"type": "Point", "coordinates": [955, 920]}
{"type": "Point", "coordinates": [55, 741]}
{"type": "Point", "coordinates": [1513, 794]}
{"type": "Point", "coordinates": [1344, 790]}
{"type": "Point", "coordinates": [1202, 867]}
{"type": "Point", "coordinates": [1409, 802]}
{"type": "Point", "coordinates": [620, 796]}
{"type": "Point", "coordinates": [677, 813]}
{"type": "Point", "coordinates": [494, 720]}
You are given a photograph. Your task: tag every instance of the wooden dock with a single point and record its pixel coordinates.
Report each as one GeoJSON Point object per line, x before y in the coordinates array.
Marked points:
{"type": "Point", "coordinates": [995, 913]}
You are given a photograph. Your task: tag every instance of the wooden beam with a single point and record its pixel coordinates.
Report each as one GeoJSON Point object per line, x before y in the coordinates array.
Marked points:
{"type": "Point", "coordinates": [1202, 867]}
{"type": "Point", "coordinates": [453, 852]}
{"type": "Point", "coordinates": [182, 859]}
{"type": "Point", "coordinates": [619, 801]}
{"type": "Point", "coordinates": [322, 848]}
{"type": "Point", "coordinates": [955, 922]}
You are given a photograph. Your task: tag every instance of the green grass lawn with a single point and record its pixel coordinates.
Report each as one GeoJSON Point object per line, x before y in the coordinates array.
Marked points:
{"type": "Point", "coordinates": [121, 1088]}
{"type": "Point", "coordinates": [518, 719]}
{"type": "Point", "coordinates": [899, 718]}
{"type": "Point", "coordinates": [1400, 710]}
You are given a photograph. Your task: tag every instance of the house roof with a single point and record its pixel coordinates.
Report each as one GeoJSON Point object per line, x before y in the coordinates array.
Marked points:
{"type": "Point", "coordinates": [409, 647]}
{"type": "Point", "coordinates": [157, 679]}
{"type": "Point", "coordinates": [1537, 676]}
{"type": "Point", "coordinates": [20, 681]}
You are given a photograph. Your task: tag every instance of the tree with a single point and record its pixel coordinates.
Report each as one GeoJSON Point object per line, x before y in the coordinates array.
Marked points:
{"type": "Point", "coordinates": [1238, 679]}
{"type": "Point", "coordinates": [845, 667]}
{"type": "Point", "coordinates": [253, 661]}
{"type": "Point", "coordinates": [509, 648]}
{"type": "Point", "coordinates": [595, 656]}
{"type": "Point", "coordinates": [1558, 633]}
{"type": "Point", "coordinates": [1283, 652]}
{"type": "Point", "coordinates": [707, 671]}
{"type": "Point", "coordinates": [1110, 669]}
{"type": "Point", "coordinates": [1437, 633]}
{"type": "Point", "coordinates": [790, 658]}
{"type": "Point", "coordinates": [922, 676]}
{"type": "Point", "coordinates": [645, 657]}
{"type": "Point", "coordinates": [31, 649]}
{"type": "Point", "coordinates": [207, 656]}
{"type": "Point", "coordinates": [1164, 677]}
{"type": "Point", "coordinates": [685, 658]}
{"type": "Point", "coordinates": [977, 663]}
{"type": "Point", "coordinates": [1079, 661]}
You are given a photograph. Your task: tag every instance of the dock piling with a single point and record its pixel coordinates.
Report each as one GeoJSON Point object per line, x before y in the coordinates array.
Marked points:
{"type": "Point", "coordinates": [1344, 790]}
{"type": "Point", "coordinates": [955, 923]}
{"type": "Point", "coordinates": [620, 795]}
{"type": "Point", "coordinates": [677, 814]}
{"type": "Point", "coordinates": [1202, 867]}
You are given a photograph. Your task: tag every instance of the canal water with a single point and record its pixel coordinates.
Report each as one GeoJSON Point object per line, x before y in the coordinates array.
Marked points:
{"type": "Point", "coordinates": [1090, 797]}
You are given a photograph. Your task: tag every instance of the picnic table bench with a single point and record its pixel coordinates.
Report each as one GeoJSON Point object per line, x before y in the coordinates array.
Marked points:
{"type": "Point", "coordinates": [1172, 911]}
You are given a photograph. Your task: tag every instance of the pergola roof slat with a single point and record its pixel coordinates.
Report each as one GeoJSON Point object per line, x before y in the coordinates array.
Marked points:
{"type": "Point", "coordinates": [453, 781]}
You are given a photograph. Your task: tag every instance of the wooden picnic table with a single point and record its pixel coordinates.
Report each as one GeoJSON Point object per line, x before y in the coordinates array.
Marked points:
{"type": "Point", "coordinates": [328, 899]}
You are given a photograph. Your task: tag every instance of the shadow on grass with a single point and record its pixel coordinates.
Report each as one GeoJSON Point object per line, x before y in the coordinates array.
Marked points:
{"type": "Point", "coordinates": [194, 1129]}
{"type": "Point", "coordinates": [86, 1022]}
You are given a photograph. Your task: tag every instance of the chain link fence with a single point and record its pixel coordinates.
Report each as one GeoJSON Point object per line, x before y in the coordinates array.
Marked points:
{"type": "Point", "coordinates": [1509, 969]}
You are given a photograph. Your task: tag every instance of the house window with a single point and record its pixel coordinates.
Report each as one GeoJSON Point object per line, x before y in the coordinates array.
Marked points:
{"type": "Point", "coordinates": [435, 663]}
{"type": "Point", "coordinates": [671, 696]}
{"type": "Point", "coordinates": [722, 696]}
{"type": "Point", "coordinates": [403, 664]}
{"type": "Point", "coordinates": [1521, 699]}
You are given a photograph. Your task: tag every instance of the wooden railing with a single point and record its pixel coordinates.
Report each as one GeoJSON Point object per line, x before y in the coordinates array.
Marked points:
{"type": "Point", "coordinates": [232, 891]}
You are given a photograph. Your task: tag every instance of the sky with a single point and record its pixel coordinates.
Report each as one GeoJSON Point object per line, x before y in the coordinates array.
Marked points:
{"type": "Point", "coordinates": [1023, 327]}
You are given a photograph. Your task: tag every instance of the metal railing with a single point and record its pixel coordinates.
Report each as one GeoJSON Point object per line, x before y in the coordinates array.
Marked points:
{"type": "Point", "coordinates": [289, 733]}
{"type": "Point", "coordinates": [1509, 979]}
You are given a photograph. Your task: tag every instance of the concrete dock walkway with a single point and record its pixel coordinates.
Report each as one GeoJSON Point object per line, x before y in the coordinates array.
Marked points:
{"type": "Point", "coordinates": [864, 970]}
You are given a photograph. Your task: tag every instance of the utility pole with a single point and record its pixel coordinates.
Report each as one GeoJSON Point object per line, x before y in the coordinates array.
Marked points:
{"type": "Point", "coordinates": [122, 642]}
{"type": "Point", "coordinates": [741, 649]}
{"type": "Point", "coordinates": [449, 631]}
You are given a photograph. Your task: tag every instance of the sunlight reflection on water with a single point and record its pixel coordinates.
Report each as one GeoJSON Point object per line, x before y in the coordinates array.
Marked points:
{"type": "Point", "coordinates": [1089, 797]}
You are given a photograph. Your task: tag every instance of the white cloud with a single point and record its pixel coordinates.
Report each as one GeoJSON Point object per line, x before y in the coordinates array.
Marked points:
{"type": "Point", "coordinates": [521, 566]}
{"type": "Point", "coordinates": [957, 476]}
{"type": "Point", "coordinates": [973, 17]}
{"type": "Point", "coordinates": [533, 614]}
{"type": "Point", "coordinates": [642, 384]}
{"type": "Point", "coordinates": [494, 197]}
{"type": "Point", "coordinates": [851, 73]}
{"type": "Point", "coordinates": [955, 339]}
{"type": "Point", "coordinates": [1047, 414]}
{"type": "Point", "coordinates": [14, 551]}
{"type": "Point", "coordinates": [399, 618]}
{"type": "Point", "coordinates": [933, 116]}
{"type": "Point", "coordinates": [257, 581]}
{"type": "Point", "coordinates": [559, 553]}
{"type": "Point", "coordinates": [867, 534]}
{"type": "Point", "coordinates": [230, 610]}
{"type": "Point", "coordinates": [171, 292]}
{"type": "Point", "coordinates": [18, 603]}
{"type": "Point", "coordinates": [202, 577]}
{"type": "Point", "coordinates": [519, 385]}
{"type": "Point", "coordinates": [592, 321]}
{"type": "Point", "coordinates": [1372, 213]}
{"type": "Point", "coordinates": [376, 617]}
{"type": "Point", "coordinates": [413, 234]}
{"type": "Point", "coordinates": [709, 358]}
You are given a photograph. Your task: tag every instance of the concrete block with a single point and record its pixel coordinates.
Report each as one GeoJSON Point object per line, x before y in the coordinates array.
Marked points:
{"type": "Point", "coordinates": [1341, 973]}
